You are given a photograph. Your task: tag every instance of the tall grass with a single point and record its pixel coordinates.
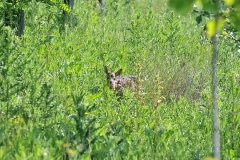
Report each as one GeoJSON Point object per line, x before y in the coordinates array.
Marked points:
{"type": "Point", "coordinates": [55, 103]}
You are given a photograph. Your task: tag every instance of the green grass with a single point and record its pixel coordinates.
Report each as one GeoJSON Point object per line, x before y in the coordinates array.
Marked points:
{"type": "Point", "coordinates": [55, 103]}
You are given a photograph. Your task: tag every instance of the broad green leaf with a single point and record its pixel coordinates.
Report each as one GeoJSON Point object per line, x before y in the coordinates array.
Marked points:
{"type": "Point", "coordinates": [182, 6]}
{"type": "Point", "coordinates": [207, 5]}
{"type": "Point", "coordinates": [199, 4]}
{"type": "Point", "coordinates": [229, 2]}
{"type": "Point", "coordinates": [86, 156]}
{"type": "Point", "coordinates": [231, 152]}
{"type": "Point", "coordinates": [2, 152]}
{"type": "Point", "coordinates": [211, 28]}
{"type": "Point", "coordinates": [235, 18]}
{"type": "Point", "coordinates": [220, 24]}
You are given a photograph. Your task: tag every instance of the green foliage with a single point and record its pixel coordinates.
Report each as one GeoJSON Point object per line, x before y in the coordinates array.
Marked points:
{"type": "Point", "coordinates": [55, 103]}
{"type": "Point", "coordinates": [10, 9]}
{"type": "Point", "coordinates": [219, 12]}
{"type": "Point", "coordinates": [183, 6]}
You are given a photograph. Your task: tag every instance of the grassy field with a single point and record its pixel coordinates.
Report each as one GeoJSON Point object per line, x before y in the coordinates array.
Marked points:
{"type": "Point", "coordinates": [55, 103]}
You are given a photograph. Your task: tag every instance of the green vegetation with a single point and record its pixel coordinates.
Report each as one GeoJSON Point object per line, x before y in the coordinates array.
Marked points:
{"type": "Point", "coordinates": [55, 103]}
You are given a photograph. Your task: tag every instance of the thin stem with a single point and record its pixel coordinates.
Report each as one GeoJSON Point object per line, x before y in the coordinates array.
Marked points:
{"type": "Point", "coordinates": [216, 135]}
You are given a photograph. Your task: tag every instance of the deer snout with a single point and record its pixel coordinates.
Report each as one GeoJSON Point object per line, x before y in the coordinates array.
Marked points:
{"type": "Point", "coordinates": [115, 84]}
{"type": "Point", "coordinates": [112, 81]}
{"type": "Point", "coordinates": [112, 84]}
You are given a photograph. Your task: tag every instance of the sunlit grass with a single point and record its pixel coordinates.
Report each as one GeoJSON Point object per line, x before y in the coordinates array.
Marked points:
{"type": "Point", "coordinates": [56, 104]}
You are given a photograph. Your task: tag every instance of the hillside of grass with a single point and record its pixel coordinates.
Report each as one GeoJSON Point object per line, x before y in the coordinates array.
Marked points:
{"type": "Point", "coordinates": [55, 102]}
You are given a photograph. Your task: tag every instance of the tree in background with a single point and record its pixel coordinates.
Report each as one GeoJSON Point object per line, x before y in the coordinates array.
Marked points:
{"type": "Point", "coordinates": [101, 3]}
{"type": "Point", "coordinates": [67, 8]}
{"type": "Point", "coordinates": [14, 16]}
{"type": "Point", "coordinates": [13, 12]}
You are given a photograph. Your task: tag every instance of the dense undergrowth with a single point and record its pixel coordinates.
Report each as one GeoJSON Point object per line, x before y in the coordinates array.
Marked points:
{"type": "Point", "coordinates": [55, 103]}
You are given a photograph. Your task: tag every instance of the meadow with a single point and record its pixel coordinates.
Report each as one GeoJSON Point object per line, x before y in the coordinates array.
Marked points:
{"type": "Point", "coordinates": [55, 102]}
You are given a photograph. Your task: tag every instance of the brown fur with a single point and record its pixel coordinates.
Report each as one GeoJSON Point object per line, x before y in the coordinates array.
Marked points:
{"type": "Point", "coordinates": [117, 82]}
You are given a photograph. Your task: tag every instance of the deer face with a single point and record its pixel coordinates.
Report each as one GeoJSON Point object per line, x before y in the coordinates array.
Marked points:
{"type": "Point", "coordinates": [112, 79]}
{"type": "Point", "coordinates": [118, 83]}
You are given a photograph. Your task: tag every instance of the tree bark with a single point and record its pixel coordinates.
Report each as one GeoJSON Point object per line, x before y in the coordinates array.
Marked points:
{"type": "Point", "coordinates": [14, 17]}
{"type": "Point", "coordinates": [72, 4]}
{"type": "Point", "coordinates": [101, 3]}
{"type": "Point", "coordinates": [70, 19]}
{"type": "Point", "coordinates": [21, 23]}
{"type": "Point", "coordinates": [216, 135]}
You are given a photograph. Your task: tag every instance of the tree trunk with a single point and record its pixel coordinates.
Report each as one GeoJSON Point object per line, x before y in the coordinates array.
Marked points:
{"type": "Point", "coordinates": [66, 18]}
{"type": "Point", "coordinates": [71, 4]}
{"type": "Point", "coordinates": [14, 17]}
{"type": "Point", "coordinates": [101, 4]}
{"type": "Point", "coordinates": [21, 23]}
{"type": "Point", "coordinates": [216, 135]}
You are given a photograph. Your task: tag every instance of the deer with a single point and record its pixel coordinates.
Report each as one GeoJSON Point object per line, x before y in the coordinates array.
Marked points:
{"type": "Point", "coordinates": [118, 83]}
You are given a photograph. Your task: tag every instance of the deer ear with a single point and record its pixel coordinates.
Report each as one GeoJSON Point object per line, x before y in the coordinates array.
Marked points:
{"type": "Point", "coordinates": [118, 72]}
{"type": "Point", "coordinates": [106, 69]}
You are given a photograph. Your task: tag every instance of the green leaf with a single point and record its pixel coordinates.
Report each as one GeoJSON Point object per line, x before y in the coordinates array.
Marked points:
{"type": "Point", "coordinates": [220, 24]}
{"type": "Point", "coordinates": [211, 28]}
{"type": "Point", "coordinates": [229, 2]}
{"type": "Point", "coordinates": [86, 156]}
{"type": "Point", "coordinates": [1, 5]}
{"type": "Point", "coordinates": [199, 19]}
{"type": "Point", "coordinates": [235, 18]}
{"type": "Point", "coordinates": [181, 6]}
{"type": "Point", "coordinates": [65, 8]}
{"type": "Point", "coordinates": [207, 5]}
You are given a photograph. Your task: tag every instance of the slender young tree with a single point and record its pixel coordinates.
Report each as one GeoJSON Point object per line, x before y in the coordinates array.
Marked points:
{"type": "Point", "coordinates": [216, 128]}
{"type": "Point", "coordinates": [213, 27]}
{"type": "Point", "coordinates": [216, 134]}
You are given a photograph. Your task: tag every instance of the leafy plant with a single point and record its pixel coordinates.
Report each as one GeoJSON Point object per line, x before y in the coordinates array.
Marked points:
{"type": "Point", "coordinates": [55, 102]}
